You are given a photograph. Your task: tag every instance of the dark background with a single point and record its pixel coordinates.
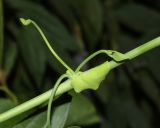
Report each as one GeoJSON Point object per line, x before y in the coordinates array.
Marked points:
{"type": "Point", "coordinates": [130, 95]}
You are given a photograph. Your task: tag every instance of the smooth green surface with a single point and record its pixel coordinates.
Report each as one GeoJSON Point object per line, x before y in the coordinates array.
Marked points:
{"type": "Point", "coordinates": [34, 122]}
{"type": "Point", "coordinates": [60, 116]}
{"type": "Point", "coordinates": [82, 112]}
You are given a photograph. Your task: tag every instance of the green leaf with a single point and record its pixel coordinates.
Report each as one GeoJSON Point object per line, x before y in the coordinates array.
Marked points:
{"type": "Point", "coordinates": [23, 87]}
{"type": "Point", "coordinates": [74, 127]}
{"type": "Point", "coordinates": [91, 21]}
{"type": "Point", "coordinates": [50, 24]}
{"type": "Point", "coordinates": [10, 58]}
{"type": "Point", "coordinates": [126, 42]}
{"type": "Point", "coordinates": [58, 119]}
{"type": "Point", "coordinates": [122, 109]}
{"type": "Point", "coordinates": [60, 116]}
{"type": "Point", "coordinates": [138, 17]}
{"type": "Point", "coordinates": [5, 104]}
{"type": "Point", "coordinates": [64, 9]}
{"type": "Point", "coordinates": [82, 112]}
{"type": "Point", "coordinates": [32, 51]}
{"type": "Point", "coordinates": [148, 86]}
{"type": "Point", "coordinates": [37, 121]}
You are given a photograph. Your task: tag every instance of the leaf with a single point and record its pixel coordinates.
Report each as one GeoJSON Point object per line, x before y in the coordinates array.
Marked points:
{"type": "Point", "coordinates": [82, 11]}
{"type": "Point", "coordinates": [122, 110]}
{"type": "Point", "coordinates": [58, 119]}
{"type": "Point", "coordinates": [82, 112]}
{"type": "Point", "coordinates": [10, 58]}
{"type": "Point", "coordinates": [87, 12]}
{"type": "Point", "coordinates": [74, 127]}
{"type": "Point", "coordinates": [31, 48]}
{"type": "Point", "coordinates": [60, 116]}
{"type": "Point", "coordinates": [126, 42]}
{"type": "Point", "coordinates": [138, 17]}
{"type": "Point", "coordinates": [124, 113]}
{"type": "Point", "coordinates": [65, 10]}
{"type": "Point", "coordinates": [5, 104]}
{"type": "Point", "coordinates": [91, 21]}
{"type": "Point", "coordinates": [37, 121]}
{"type": "Point", "coordinates": [23, 87]}
{"type": "Point", "coordinates": [149, 87]}
{"type": "Point", "coordinates": [50, 24]}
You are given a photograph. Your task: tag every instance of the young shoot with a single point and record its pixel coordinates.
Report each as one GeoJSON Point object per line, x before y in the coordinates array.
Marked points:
{"type": "Point", "coordinates": [77, 80]}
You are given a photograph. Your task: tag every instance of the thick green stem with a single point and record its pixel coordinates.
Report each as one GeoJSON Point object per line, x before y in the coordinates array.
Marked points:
{"type": "Point", "coordinates": [1, 34]}
{"type": "Point", "coordinates": [66, 86]}
{"type": "Point", "coordinates": [139, 51]}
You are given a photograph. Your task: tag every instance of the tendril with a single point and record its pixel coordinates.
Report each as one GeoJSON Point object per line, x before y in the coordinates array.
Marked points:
{"type": "Point", "coordinates": [116, 56]}
{"type": "Point", "coordinates": [48, 122]}
{"type": "Point", "coordinates": [29, 21]}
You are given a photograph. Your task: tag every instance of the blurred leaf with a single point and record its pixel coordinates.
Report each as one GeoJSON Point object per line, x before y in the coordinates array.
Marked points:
{"type": "Point", "coordinates": [23, 87]}
{"type": "Point", "coordinates": [82, 11]}
{"type": "Point", "coordinates": [5, 104]}
{"type": "Point", "coordinates": [60, 116]}
{"type": "Point", "coordinates": [1, 33]}
{"type": "Point", "coordinates": [149, 87]}
{"type": "Point", "coordinates": [138, 17]}
{"type": "Point", "coordinates": [37, 121]}
{"type": "Point", "coordinates": [104, 89]}
{"type": "Point", "coordinates": [58, 119]}
{"type": "Point", "coordinates": [91, 21]}
{"type": "Point", "coordinates": [65, 10]}
{"type": "Point", "coordinates": [32, 51]}
{"type": "Point", "coordinates": [123, 112]}
{"type": "Point", "coordinates": [126, 42]}
{"type": "Point", "coordinates": [74, 127]}
{"type": "Point", "coordinates": [10, 58]}
{"type": "Point", "coordinates": [82, 112]}
{"type": "Point", "coordinates": [52, 26]}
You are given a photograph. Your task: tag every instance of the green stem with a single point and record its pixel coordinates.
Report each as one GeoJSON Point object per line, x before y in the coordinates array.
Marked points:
{"type": "Point", "coordinates": [1, 34]}
{"type": "Point", "coordinates": [139, 51]}
{"type": "Point", "coordinates": [66, 86]}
